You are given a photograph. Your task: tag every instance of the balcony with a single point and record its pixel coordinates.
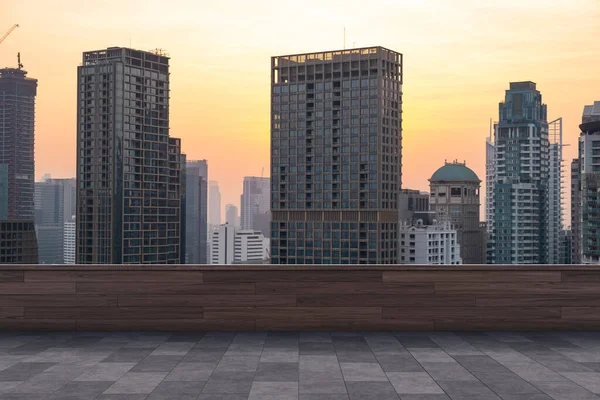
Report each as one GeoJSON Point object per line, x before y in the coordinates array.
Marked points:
{"type": "Point", "coordinates": [324, 332]}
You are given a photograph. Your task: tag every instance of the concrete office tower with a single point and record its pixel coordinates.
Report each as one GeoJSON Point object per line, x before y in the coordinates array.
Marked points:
{"type": "Point", "coordinates": [69, 233]}
{"type": "Point", "coordinates": [336, 139]}
{"type": "Point", "coordinates": [555, 190]}
{"type": "Point", "coordinates": [589, 159]}
{"type": "Point", "coordinates": [231, 246]}
{"type": "Point", "coordinates": [455, 198]}
{"type": "Point", "coordinates": [255, 199]}
{"type": "Point", "coordinates": [17, 114]}
{"type": "Point", "coordinates": [214, 204]}
{"type": "Point", "coordinates": [411, 202]}
{"type": "Point", "coordinates": [520, 222]}
{"type": "Point", "coordinates": [196, 212]}
{"type": "Point", "coordinates": [55, 204]}
{"type": "Point", "coordinates": [425, 240]}
{"type": "Point", "coordinates": [129, 183]}
{"type": "Point", "coordinates": [576, 211]}
{"type": "Point", "coordinates": [231, 216]}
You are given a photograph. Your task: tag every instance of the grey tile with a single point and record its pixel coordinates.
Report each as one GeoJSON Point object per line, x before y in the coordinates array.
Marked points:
{"type": "Point", "coordinates": [223, 396]}
{"type": "Point", "coordinates": [445, 371]}
{"type": "Point", "coordinates": [365, 372]}
{"type": "Point", "coordinates": [80, 390]}
{"type": "Point", "coordinates": [534, 372]}
{"type": "Point", "coordinates": [274, 391]}
{"type": "Point", "coordinates": [314, 337]}
{"type": "Point", "coordinates": [238, 363]}
{"type": "Point", "coordinates": [425, 397]}
{"type": "Point", "coordinates": [371, 391]}
{"type": "Point", "coordinates": [323, 396]}
{"type": "Point", "coordinates": [356, 356]}
{"type": "Point", "coordinates": [319, 363]}
{"type": "Point", "coordinates": [468, 390]}
{"type": "Point", "coordinates": [525, 396]}
{"type": "Point", "coordinates": [122, 397]}
{"type": "Point", "coordinates": [106, 372]}
{"type": "Point", "coordinates": [128, 355]}
{"type": "Point", "coordinates": [321, 382]}
{"type": "Point", "coordinates": [589, 380]}
{"type": "Point", "coordinates": [136, 382]}
{"type": "Point", "coordinates": [157, 364]}
{"type": "Point", "coordinates": [173, 349]}
{"type": "Point", "coordinates": [24, 370]}
{"type": "Point", "coordinates": [277, 372]}
{"type": "Point", "coordinates": [565, 391]}
{"type": "Point", "coordinates": [177, 391]}
{"type": "Point", "coordinates": [413, 383]}
{"type": "Point", "coordinates": [269, 355]}
{"type": "Point", "coordinates": [191, 372]}
{"type": "Point", "coordinates": [430, 355]}
{"type": "Point", "coordinates": [316, 348]}
{"type": "Point", "coordinates": [591, 366]}
{"type": "Point", "coordinates": [398, 363]}
{"type": "Point", "coordinates": [204, 356]}
{"type": "Point", "coordinates": [229, 382]}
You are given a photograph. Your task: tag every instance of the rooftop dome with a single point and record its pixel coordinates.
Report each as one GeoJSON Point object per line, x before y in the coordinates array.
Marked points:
{"type": "Point", "coordinates": [454, 171]}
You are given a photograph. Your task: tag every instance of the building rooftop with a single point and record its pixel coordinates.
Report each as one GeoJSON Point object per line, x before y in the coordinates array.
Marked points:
{"type": "Point", "coordinates": [454, 171]}
{"type": "Point", "coordinates": [300, 365]}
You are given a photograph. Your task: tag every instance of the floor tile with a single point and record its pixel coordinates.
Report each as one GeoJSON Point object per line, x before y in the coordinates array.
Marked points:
{"type": "Point", "coordinates": [136, 382]}
{"type": "Point", "coordinates": [277, 372]}
{"type": "Point", "coordinates": [274, 391]}
{"type": "Point", "coordinates": [357, 372]}
{"type": "Point", "coordinates": [371, 391]}
{"type": "Point", "coordinates": [104, 372]}
{"type": "Point", "coordinates": [413, 383]}
{"type": "Point", "coordinates": [229, 382]}
{"type": "Point", "coordinates": [191, 372]}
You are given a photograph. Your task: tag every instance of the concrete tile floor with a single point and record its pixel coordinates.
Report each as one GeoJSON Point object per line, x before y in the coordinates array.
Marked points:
{"type": "Point", "coordinates": [300, 366]}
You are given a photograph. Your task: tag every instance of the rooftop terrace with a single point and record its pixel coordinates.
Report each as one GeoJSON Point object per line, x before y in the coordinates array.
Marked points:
{"type": "Point", "coordinates": [300, 365]}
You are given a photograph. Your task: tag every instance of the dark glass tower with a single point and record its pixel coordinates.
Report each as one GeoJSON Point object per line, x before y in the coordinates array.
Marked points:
{"type": "Point", "coordinates": [336, 140]}
{"type": "Point", "coordinates": [129, 171]}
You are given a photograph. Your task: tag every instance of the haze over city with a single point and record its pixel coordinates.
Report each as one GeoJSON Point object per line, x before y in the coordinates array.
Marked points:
{"type": "Point", "coordinates": [458, 59]}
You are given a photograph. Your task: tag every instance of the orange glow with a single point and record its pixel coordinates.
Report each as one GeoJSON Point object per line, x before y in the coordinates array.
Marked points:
{"type": "Point", "coordinates": [459, 57]}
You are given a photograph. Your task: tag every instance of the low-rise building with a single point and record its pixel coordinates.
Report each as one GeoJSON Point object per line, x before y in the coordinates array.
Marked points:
{"type": "Point", "coordinates": [428, 241]}
{"type": "Point", "coordinates": [232, 246]}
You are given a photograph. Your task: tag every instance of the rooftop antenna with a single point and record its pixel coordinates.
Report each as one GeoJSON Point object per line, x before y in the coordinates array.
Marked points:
{"type": "Point", "coordinates": [19, 65]}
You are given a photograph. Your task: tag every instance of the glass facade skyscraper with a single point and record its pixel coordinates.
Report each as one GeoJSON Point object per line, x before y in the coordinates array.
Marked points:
{"type": "Point", "coordinates": [336, 139]}
{"type": "Point", "coordinates": [130, 186]}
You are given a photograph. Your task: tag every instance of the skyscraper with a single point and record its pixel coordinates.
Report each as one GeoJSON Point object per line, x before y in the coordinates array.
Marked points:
{"type": "Point", "coordinates": [555, 190]}
{"type": "Point", "coordinates": [589, 195]}
{"type": "Point", "coordinates": [231, 215]}
{"type": "Point", "coordinates": [214, 202]}
{"type": "Point", "coordinates": [55, 204]}
{"type": "Point", "coordinates": [576, 211]}
{"type": "Point", "coordinates": [17, 125]}
{"type": "Point", "coordinates": [196, 212]}
{"type": "Point", "coordinates": [520, 231]}
{"type": "Point", "coordinates": [336, 133]}
{"type": "Point", "coordinates": [129, 175]}
{"type": "Point", "coordinates": [69, 236]}
{"type": "Point", "coordinates": [455, 198]}
{"type": "Point", "coordinates": [255, 199]}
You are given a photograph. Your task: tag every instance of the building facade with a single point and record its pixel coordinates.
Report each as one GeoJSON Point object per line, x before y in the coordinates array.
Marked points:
{"type": "Point", "coordinates": [454, 197]}
{"type": "Point", "coordinates": [214, 202]}
{"type": "Point", "coordinates": [69, 241]}
{"type": "Point", "coordinates": [410, 202]}
{"type": "Point", "coordinates": [336, 139]}
{"type": "Point", "coordinates": [196, 212]}
{"type": "Point", "coordinates": [18, 242]}
{"type": "Point", "coordinates": [232, 217]}
{"type": "Point", "coordinates": [232, 246]}
{"type": "Point", "coordinates": [428, 241]}
{"type": "Point", "coordinates": [576, 211]}
{"type": "Point", "coordinates": [520, 231]}
{"type": "Point", "coordinates": [555, 190]}
{"type": "Point", "coordinates": [129, 174]}
{"type": "Point", "coordinates": [255, 199]}
{"type": "Point", "coordinates": [589, 196]}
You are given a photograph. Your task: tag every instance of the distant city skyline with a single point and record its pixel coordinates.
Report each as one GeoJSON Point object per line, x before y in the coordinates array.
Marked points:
{"type": "Point", "coordinates": [454, 77]}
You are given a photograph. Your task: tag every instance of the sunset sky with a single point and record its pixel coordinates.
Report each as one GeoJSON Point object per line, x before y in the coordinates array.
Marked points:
{"type": "Point", "coordinates": [459, 57]}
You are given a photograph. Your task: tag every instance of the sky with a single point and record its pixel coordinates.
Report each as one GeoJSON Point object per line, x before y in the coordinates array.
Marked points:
{"type": "Point", "coordinates": [459, 57]}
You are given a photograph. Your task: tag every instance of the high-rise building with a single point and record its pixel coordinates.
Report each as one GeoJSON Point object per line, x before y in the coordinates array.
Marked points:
{"type": "Point", "coordinates": [336, 139]}
{"type": "Point", "coordinates": [214, 203]}
{"type": "Point", "coordinates": [262, 223]}
{"type": "Point", "coordinates": [55, 204]}
{"type": "Point", "coordinates": [490, 178]}
{"type": "Point", "coordinates": [17, 125]}
{"type": "Point", "coordinates": [565, 247]}
{"type": "Point", "coordinates": [196, 212]}
{"type": "Point", "coordinates": [576, 211]}
{"type": "Point", "coordinates": [255, 199]}
{"type": "Point", "coordinates": [69, 234]}
{"type": "Point", "coordinates": [232, 217]}
{"type": "Point", "coordinates": [455, 198]}
{"type": "Point", "coordinates": [555, 190]}
{"type": "Point", "coordinates": [589, 196]}
{"type": "Point", "coordinates": [231, 246]}
{"type": "Point", "coordinates": [18, 243]}
{"type": "Point", "coordinates": [129, 173]}
{"type": "Point", "coordinates": [410, 202]}
{"type": "Point", "coordinates": [520, 231]}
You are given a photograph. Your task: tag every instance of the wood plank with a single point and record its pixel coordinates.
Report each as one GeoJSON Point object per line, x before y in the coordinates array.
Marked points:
{"type": "Point", "coordinates": [114, 276]}
{"type": "Point", "coordinates": [230, 313]}
{"type": "Point", "coordinates": [121, 288]}
{"type": "Point", "coordinates": [376, 300]}
{"type": "Point", "coordinates": [465, 313]}
{"type": "Point", "coordinates": [376, 288]}
{"type": "Point", "coordinates": [164, 325]}
{"type": "Point", "coordinates": [472, 276]}
{"type": "Point", "coordinates": [581, 276]}
{"type": "Point", "coordinates": [343, 325]}
{"type": "Point", "coordinates": [11, 312]}
{"type": "Point", "coordinates": [292, 276]}
{"type": "Point", "coordinates": [11, 276]}
{"type": "Point", "coordinates": [210, 300]}
{"type": "Point", "coordinates": [37, 288]}
{"type": "Point", "coordinates": [518, 288]}
{"type": "Point", "coordinates": [332, 313]}
{"type": "Point", "coordinates": [581, 313]}
{"type": "Point", "coordinates": [61, 300]}
{"type": "Point", "coordinates": [100, 313]}
{"type": "Point", "coordinates": [516, 325]}
{"type": "Point", "coordinates": [541, 300]}
{"type": "Point", "coordinates": [36, 325]}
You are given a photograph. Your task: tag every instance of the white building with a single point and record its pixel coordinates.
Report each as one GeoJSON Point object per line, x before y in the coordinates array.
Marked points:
{"type": "Point", "coordinates": [428, 244]}
{"type": "Point", "coordinates": [231, 246]}
{"type": "Point", "coordinates": [69, 241]}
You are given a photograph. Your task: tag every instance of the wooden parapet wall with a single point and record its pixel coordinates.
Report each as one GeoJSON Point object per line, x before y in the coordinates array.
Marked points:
{"type": "Point", "coordinates": [263, 297]}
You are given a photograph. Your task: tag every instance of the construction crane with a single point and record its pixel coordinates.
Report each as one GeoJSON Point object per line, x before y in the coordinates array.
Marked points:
{"type": "Point", "coordinates": [15, 26]}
